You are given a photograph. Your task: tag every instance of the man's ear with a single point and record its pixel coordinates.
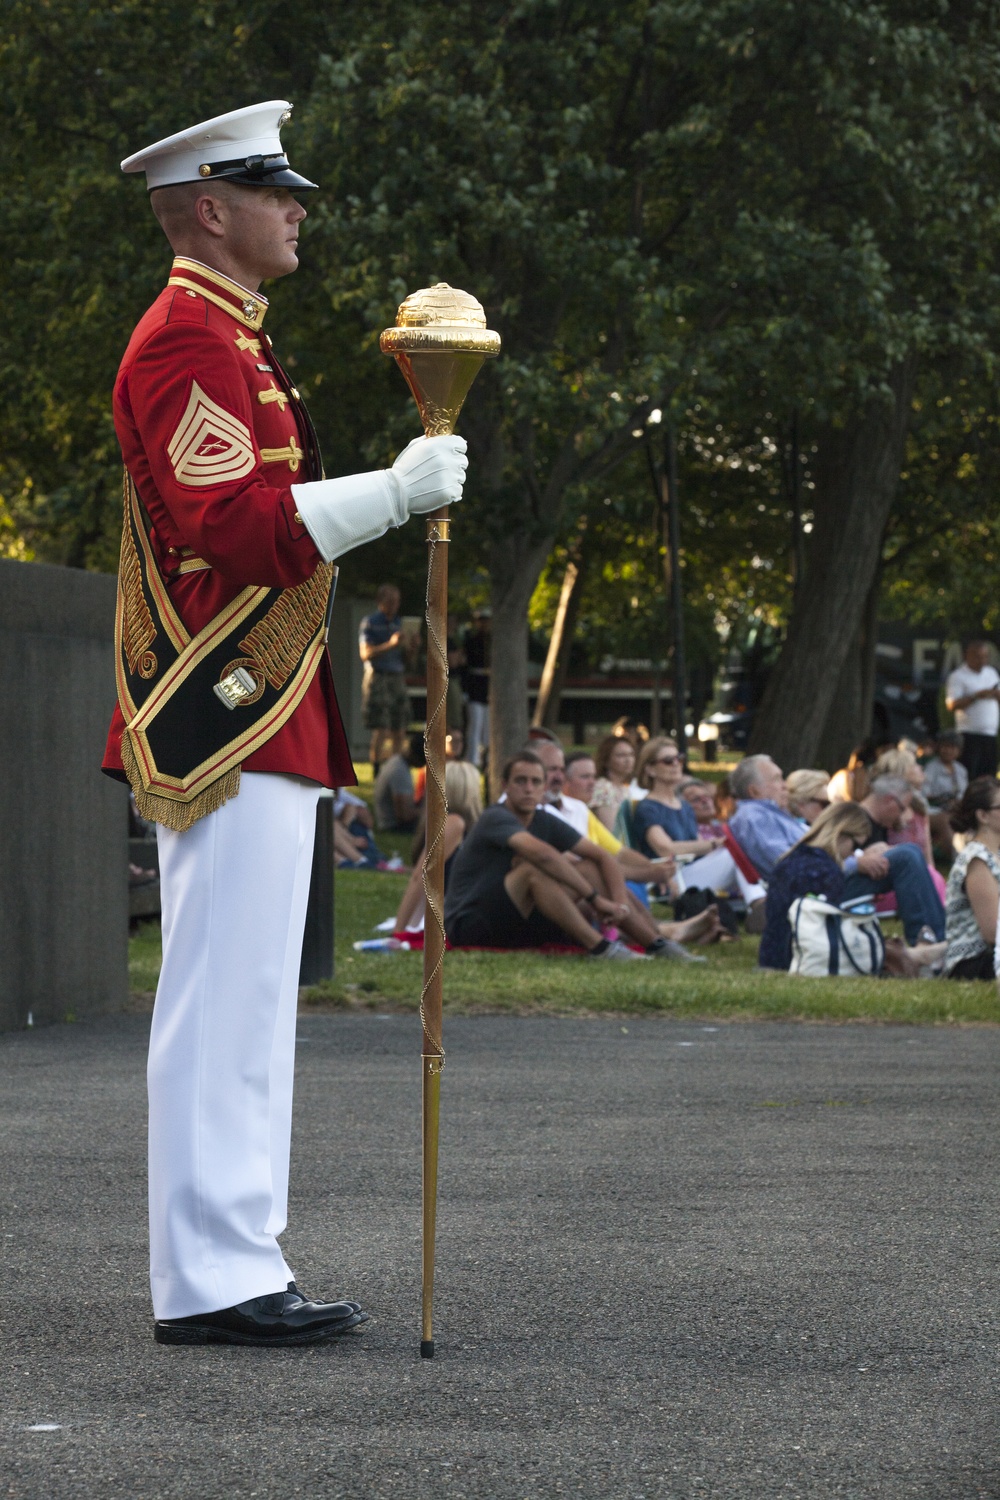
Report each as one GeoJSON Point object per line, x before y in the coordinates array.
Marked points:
{"type": "Point", "coordinates": [210, 214]}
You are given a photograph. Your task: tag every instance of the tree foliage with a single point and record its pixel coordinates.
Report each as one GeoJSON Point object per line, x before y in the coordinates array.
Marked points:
{"type": "Point", "coordinates": [742, 213]}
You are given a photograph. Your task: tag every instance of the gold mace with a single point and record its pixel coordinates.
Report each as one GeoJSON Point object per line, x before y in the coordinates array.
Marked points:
{"type": "Point", "coordinates": [439, 342]}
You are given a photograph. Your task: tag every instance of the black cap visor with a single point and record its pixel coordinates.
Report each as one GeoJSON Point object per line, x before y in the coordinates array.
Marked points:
{"type": "Point", "coordinates": [256, 171]}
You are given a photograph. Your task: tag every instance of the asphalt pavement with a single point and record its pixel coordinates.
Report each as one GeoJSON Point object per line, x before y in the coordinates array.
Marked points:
{"type": "Point", "coordinates": [673, 1261]}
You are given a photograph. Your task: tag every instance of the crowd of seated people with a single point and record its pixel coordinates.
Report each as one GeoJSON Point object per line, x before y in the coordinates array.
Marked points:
{"type": "Point", "coordinates": [567, 784]}
{"type": "Point", "coordinates": [546, 864]}
{"type": "Point", "coordinates": [766, 830]}
{"type": "Point", "coordinates": [816, 866]}
{"type": "Point", "coordinates": [568, 791]}
{"type": "Point", "coordinates": [512, 886]}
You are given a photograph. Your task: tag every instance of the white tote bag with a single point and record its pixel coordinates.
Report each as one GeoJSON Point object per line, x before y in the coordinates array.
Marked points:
{"type": "Point", "coordinates": [828, 939]}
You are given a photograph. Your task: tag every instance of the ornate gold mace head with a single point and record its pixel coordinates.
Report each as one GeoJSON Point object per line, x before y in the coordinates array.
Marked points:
{"type": "Point", "coordinates": [439, 342]}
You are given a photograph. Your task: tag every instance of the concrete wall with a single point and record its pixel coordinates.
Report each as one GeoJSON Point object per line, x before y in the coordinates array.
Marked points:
{"type": "Point", "coordinates": [63, 826]}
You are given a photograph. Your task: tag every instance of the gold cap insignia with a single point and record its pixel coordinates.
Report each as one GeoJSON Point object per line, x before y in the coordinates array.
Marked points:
{"type": "Point", "coordinates": [205, 169]}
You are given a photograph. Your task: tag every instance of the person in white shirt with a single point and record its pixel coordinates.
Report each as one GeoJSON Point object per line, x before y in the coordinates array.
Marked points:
{"type": "Point", "coordinates": [972, 694]}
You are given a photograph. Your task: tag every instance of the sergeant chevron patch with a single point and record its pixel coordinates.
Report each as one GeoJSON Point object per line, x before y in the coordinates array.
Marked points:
{"type": "Point", "coordinates": [210, 445]}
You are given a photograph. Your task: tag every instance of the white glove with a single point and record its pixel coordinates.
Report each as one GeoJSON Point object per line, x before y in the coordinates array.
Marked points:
{"type": "Point", "coordinates": [343, 513]}
{"type": "Point", "coordinates": [432, 472]}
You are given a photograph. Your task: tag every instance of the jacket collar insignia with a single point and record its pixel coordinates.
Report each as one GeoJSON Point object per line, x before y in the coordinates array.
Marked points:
{"type": "Point", "coordinates": [246, 307]}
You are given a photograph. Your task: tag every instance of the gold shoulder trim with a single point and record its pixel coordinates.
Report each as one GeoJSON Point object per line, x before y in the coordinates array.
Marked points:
{"type": "Point", "coordinates": [217, 279]}
{"type": "Point", "coordinates": [240, 316]}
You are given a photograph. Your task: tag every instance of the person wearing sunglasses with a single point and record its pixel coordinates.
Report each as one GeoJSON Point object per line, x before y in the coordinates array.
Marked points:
{"type": "Point", "coordinates": [808, 795]}
{"type": "Point", "coordinates": [766, 830]}
{"type": "Point", "coordinates": [664, 822]}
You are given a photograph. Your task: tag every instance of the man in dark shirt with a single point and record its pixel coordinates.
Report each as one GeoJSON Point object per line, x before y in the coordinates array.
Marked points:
{"type": "Point", "coordinates": [385, 704]}
{"type": "Point", "coordinates": [476, 682]}
{"type": "Point", "coordinates": [899, 868]}
{"type": "Point", "coordinates": [512, 885]}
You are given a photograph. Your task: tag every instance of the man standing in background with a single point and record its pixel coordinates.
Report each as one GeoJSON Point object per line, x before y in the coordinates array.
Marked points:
{"type": "Point", "coordinates": [476, 676]}
{"type": "Point", "coordinates": [385, 706]}
{"type": "Point", "coordinates": [972, 694]}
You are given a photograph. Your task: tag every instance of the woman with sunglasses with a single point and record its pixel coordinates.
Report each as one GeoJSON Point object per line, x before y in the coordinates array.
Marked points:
{"type": "Point", "coordinates": [664, 823]}
{"type": "Point", "coordinates": [808, 794]}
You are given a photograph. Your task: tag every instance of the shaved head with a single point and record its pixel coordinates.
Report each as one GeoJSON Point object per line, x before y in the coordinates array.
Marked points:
{"type": "Point", "coordinates": [175, 209]}
{"type": "Point", "coordinates": [248, 233]}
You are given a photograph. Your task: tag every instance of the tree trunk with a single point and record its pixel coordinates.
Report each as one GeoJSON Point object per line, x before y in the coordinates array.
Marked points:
{"type": "Point", "coordinates": [857, 471]}
{"type": "Point", "coordinates": [850, 718]}
{"type": "Point", "coordinates": [515, 566]}
{"type": "Point", "coordinates": [551, 720]}
{"type": "Point", "coordinates": [554, 673]}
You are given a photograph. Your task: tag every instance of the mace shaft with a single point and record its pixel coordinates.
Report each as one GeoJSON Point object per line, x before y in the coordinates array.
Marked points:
{"type": "Point", "coordinates": [434, 934]}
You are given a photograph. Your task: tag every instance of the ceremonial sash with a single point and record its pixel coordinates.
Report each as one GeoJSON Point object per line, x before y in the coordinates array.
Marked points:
{"type": "Point", "coordinates": [195, 707]}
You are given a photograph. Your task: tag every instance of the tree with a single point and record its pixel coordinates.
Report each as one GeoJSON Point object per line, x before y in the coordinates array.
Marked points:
{"type": "Point", "coordinates": [905, 166]}
{"type": "Point", "coordinates": [746, 203]}
{"type": "Point", "coordinates": [81, 257]}
{"type": "Point", "coordinates": [738, 212]}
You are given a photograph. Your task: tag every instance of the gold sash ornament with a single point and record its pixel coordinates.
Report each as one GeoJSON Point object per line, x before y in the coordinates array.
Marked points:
{"type": "Point", "coordinates": [196, 707]}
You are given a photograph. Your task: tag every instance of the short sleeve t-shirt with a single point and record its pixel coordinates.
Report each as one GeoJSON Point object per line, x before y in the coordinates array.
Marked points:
{"type": "Point", "coordinates": [485, 857]}
{"type": "Point", "coordinates": [982, 717]}
{"type": "Point", "coordinates": [678, 823]}
{"type": "Point", "coordinates": [375, 631]}
{"type": "Point", "coordinates": [395, 776]}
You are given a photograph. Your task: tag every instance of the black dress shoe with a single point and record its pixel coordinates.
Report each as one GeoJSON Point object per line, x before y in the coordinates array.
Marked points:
{"type": "Point", "coordinates": [345, 1300]}
{"type": "Point", "coordinates": [278, 1321]}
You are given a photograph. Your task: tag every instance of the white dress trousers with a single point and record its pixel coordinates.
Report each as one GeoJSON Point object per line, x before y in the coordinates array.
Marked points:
{"type": "Point", "coordinates": [234, 890]}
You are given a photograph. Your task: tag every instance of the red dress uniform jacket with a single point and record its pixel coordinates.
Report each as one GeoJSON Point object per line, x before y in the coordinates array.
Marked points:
{"type": "Point", "coordinates": [214, 434]}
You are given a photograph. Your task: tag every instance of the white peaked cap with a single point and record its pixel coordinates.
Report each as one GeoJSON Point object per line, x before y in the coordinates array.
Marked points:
{"type": "Point", "coordinates": [243, 146]}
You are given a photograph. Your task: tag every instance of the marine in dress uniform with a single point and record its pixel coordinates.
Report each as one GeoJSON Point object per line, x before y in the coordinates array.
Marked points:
{"type": "Point", "coordinates": [227, 724]}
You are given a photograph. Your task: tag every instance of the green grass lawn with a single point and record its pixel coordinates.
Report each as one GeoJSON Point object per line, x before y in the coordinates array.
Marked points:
{"type": "Point", "coordinates": [726, 987]}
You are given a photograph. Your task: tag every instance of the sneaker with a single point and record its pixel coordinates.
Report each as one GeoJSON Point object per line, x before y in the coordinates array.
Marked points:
{"type": "Point", "coordinates": [618, 950]}
{"type": "Point", "coordinates": [667, 948]}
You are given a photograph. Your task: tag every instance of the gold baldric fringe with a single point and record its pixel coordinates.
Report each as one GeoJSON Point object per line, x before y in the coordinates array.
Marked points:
{"type": "Point", "coordinates": [138, 630]}
{"type": "Point", "coordinates": [276, 642]}
{"type": "Point", "coordinates": [180, 816]}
